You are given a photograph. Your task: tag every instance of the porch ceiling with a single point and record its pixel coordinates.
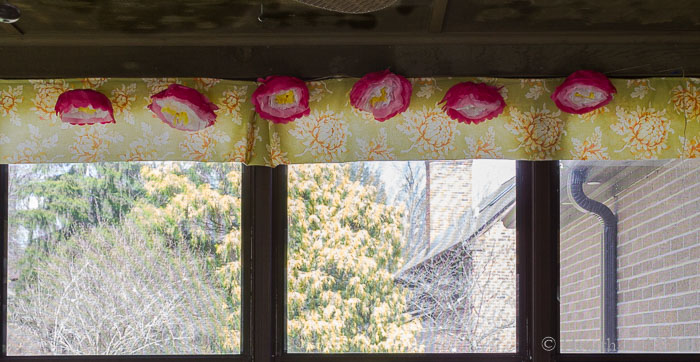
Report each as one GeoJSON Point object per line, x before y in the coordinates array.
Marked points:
{"type": "Point", "coordinates": [225, 38]}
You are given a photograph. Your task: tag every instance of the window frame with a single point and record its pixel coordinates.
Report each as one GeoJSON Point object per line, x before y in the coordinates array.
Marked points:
{"type": "Point", "coordinates": [553, 170]}
{"type": "Point", "coordinates": [246, 283]}
{"type": "Point", "coordinates": [280, 245]}
{"type": "Point", "coordinates": [264, 285]}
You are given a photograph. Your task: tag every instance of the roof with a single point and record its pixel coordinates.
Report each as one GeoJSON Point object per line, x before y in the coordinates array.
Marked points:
{"type": "Point", "coordinates": [491, 209]}
{"type": "Point", "coordinates": [605, 179]}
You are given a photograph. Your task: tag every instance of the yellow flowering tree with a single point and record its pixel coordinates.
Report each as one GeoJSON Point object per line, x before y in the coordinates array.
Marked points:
{"type": "Point", "coordinates": [344, 245]}
{"type": "Point", "coordinates": [198, 206]}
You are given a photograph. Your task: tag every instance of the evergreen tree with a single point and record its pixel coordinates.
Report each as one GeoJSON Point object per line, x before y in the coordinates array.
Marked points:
{"type": "Point", "coordinates": [57, 201]}
{"type": "Point", "coordinates": [344, 246]}
{"type": "Point", "coordinates": [345, 242]}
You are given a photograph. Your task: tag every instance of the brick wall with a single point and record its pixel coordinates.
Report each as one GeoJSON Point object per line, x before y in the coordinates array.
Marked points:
{"type": "Point", "coordinates": [484, 319]}
{"type": "Point", "coordinates": [580, 285]}
{"type": "Point", "coordinates": [495, 295]}
{"type": "Point", "coordinates": [658, 267]}
{"type": "Point", "coordinates": [450, 188]}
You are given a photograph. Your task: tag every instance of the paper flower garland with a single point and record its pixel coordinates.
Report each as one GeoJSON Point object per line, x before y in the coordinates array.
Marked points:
{"type": "Point", "coordinates": [473, 103]}
{"type": "Point", "coordinates": [183, 108]}
{"type": "Point", "coordinates": [281, 99]}
{"type": "Point", "coordinates": [384, 94]}
{"type": "Point", "coordinates": [84, 106]}
{"type": "Point", "coordinates": [583, 91]}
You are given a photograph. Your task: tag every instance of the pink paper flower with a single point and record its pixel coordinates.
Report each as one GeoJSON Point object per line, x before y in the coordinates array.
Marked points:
{"type": "Point", "coordinates": [473, 103]}
{"type": "Point", "coordinates": [583, 91]}
{"type": "Point", "coordinates": [384, 94]}
{"type": "Point", "coordinates": [183, 108]}
{"type": "Point", "coordinates": [84, 106]}
{"type": "Point", "coordinates": [281, 99]}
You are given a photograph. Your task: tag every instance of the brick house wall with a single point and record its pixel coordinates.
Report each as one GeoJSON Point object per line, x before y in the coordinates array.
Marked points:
{"type": "Point", "coordinates": [658, 267]}
{"type": "Point", "coordinates": [580, 273]}
{"type": "Point", "coordinates": [494, 272]}
{"type": "Point", "coordinates": [483, 320]}
{"type": "Point", "coordinates": [450, 194]}
{"type": "Point", "coordinates": [484, 323]}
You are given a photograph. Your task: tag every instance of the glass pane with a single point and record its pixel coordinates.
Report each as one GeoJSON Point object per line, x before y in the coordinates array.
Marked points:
{"type": "Point", "coordinates": [124, 258]}
{"type": "Point", "coordinates": [402, 257]}
{"type": "Point", "coordinates": [630, 267]}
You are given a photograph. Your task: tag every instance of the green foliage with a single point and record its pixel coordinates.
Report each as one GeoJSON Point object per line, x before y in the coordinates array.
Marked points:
{"type": "Point", "coordinates": [198, 206]}
{"type": "Point", "coordinates": [60, 200]}
{"type": "Point", "coordinates": [71, 197]}
{"type": "Point", "coordinates": [344, 241]}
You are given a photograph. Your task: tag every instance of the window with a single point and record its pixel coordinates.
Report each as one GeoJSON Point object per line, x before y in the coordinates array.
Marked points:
{"type": "Point", "coordinates": [402, 257]}
{"type": "Point", "coordinates": [379, 261]}
{"type": "Point", "coordinates": [123, 259]}
{"type": "Point", "coordinates": [630, 257]}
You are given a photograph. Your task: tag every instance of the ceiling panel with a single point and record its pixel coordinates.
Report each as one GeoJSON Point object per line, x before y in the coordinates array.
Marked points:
{"type": "Point", "coordinates": [167, 17]}
{"type": "Point", "coordinates": [572, 15]}
{"type": "Point", "coordinates": [224, 38]}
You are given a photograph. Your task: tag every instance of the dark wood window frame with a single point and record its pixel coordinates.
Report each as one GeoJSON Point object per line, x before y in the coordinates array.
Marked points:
{"type": "Point", "coordinates": [264, 253]}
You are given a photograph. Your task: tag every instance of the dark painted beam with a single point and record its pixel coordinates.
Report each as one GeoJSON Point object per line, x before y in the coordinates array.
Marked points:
{"type": "Point", "coordinates": [542, 182]}
{"type": "Point", "coordinates": [540, 56]}
{"type": "Point", "coordinates": [437, 18]}
{"type": "Point", "coordinates": [307, 60]}
{"type": "Point", "coordinates": [367, 38]}
{"type": "Point", "coordinates": [4, 225]}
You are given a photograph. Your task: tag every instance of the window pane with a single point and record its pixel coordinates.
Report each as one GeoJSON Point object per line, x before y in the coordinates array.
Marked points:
{"type": "Point", "coordinates": [124, 258]}
{"type": "Point", "coordinates": [646, 297]}
{"type": "Point", "coordinates": [402, 257]}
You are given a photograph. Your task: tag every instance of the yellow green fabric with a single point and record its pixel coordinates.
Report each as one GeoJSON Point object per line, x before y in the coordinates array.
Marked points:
{"type": "Point", "coordinates": [654, 118]}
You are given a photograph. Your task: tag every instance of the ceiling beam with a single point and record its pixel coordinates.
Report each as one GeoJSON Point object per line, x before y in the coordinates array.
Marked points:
{"type": "Point", "coordinates": [315, 61]}
{"type": "Point", "coordinates": [437, 18]}
{"type": "Point", "coordinates": [342, 39]}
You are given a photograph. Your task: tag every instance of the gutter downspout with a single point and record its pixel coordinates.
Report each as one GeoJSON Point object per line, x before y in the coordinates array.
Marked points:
{"type": "Point", "coordinates": [609, 255]}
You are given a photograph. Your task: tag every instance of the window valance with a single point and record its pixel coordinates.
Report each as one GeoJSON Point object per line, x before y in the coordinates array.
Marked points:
{"type": "Point", "coordinates": [654, 118]}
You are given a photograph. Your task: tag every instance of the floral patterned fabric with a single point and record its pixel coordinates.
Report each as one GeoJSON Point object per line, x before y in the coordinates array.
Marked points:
{"type": "Point", "coordinates": [656, 118]}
